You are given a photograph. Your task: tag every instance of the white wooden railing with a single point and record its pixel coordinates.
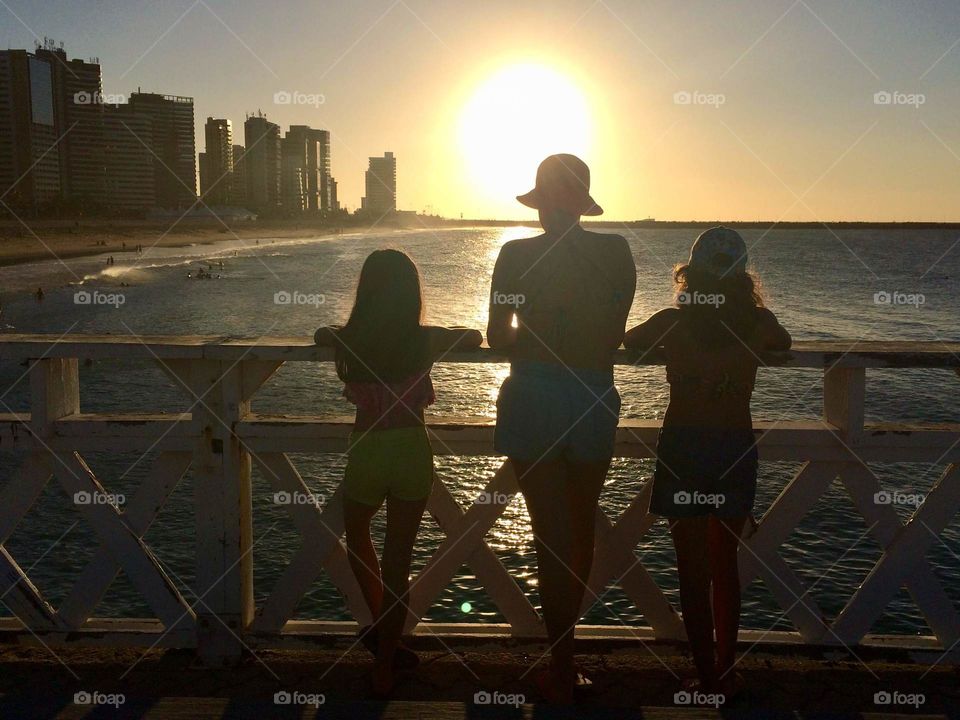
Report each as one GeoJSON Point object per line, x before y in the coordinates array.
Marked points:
{"type": "Point", "coordinates": [221, 437]}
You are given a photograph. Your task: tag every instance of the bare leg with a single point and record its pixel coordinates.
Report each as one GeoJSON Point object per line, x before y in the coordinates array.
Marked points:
{"type": "Point", "coordinates": [690, 541]}
{"type": "Point", "coordinates": [362, 554]}
{"type": "Point", "coordinates": [561, 499]}
{"type": "Point", "coordinates": [403, 522]}
{"type": "Point", "coordinates": [724, 542]}
{"type": "Point", "coordinates": [583, 488]}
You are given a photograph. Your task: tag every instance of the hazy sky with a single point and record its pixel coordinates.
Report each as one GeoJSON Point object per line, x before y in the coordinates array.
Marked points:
{"type": "Point", "coordinates": [781, 122]}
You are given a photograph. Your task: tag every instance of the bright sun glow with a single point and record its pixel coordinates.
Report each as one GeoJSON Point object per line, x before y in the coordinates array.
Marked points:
{"type": "Point", "coordinates": [516, 118]}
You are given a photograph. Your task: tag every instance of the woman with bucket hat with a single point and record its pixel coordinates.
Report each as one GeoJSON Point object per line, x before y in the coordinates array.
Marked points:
{"type": "Point", "coordinates": [558, 307]}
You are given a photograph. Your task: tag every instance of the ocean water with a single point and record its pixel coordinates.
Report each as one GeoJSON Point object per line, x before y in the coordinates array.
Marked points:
{"type": "Point", "coordinates": [820, 283]}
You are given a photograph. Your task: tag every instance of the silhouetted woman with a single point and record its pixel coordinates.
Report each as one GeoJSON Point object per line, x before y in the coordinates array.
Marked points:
{"type": "Point", "coordinates": [558, 306]}
{"type": "Point", "coordinates": [706, 473]}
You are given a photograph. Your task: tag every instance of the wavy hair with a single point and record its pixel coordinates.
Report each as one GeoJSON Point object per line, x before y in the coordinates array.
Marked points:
{"type": "Point", "coordinates": [731, 316]}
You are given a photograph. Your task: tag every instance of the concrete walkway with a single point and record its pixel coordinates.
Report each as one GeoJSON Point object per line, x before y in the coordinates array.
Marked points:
{"type": "Point", "coordinates": [631, 681]}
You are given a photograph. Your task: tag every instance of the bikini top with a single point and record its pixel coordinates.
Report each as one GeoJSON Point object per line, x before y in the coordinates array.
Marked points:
{"type": "Point", "coordinates": [722, 387]}
{"type": "Point", "coordinates": [392, 404]}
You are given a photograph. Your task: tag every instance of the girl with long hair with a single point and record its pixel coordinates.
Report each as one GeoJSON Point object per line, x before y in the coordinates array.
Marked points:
{"type": "Point", "coordinates": [706, 473]}
{"type": "Point", "coordinates": [384, 355]}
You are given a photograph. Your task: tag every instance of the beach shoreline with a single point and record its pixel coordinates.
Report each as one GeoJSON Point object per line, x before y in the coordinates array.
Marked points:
{"type": "Point", "coordinates": [52, 248]}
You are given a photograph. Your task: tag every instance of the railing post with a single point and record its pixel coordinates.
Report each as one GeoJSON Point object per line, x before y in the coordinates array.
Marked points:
{"type": "Point", "coordinates": [844, 390]}
{"type": "Point", "coordinates": [222, 495]}
{"type": "Point", "coordinates": [54, 391]}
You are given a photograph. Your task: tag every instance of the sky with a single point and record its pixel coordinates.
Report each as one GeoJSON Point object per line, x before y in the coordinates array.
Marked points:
{"type": "Point", "coordinates": [808, 110]}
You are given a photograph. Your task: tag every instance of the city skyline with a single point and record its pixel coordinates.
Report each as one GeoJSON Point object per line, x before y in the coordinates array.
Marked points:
{"type": "Point", "coordinates": [689, 124]}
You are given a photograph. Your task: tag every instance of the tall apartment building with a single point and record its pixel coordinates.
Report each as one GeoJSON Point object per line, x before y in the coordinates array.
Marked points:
{"type": "Point", "coordinates": [78, 104]}
{"type": "Point", "coordinates": [29, 134]}
{"type": "Point", "coordinates": [216, 178]}
{"type": "Point", "coordinates": [381, 185]}
{"type": "Point", "coordinates": [128, 137]}
{"type": "Point", "coordinates": [298, 183]}
{"type": "Point", "coordinates": [173, 146]}
{"type": "Point", "coordinates": [238, 188]}
{"type": "Point", "coordinates": [262, 163]}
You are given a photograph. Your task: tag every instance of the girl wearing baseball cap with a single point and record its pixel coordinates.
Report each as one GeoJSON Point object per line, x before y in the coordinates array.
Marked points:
{"type": "Point", "coordinates": [706, 473]}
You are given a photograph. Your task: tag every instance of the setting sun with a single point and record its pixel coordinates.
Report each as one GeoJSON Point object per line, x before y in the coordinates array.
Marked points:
{"type": "Point", "coordinates": [518, 116]}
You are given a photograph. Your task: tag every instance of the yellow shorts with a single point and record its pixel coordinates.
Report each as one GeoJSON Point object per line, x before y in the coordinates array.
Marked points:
{"type": "Point", "coordinates": [397, 462]}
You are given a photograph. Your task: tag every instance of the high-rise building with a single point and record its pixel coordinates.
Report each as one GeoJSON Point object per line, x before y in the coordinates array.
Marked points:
{"type": "Point", "coordinates": [173, 146]}
{"type": "Point", "coordinates": [381, 186]}
{"type": "Point", "coordinates": [238, 188]}
{"type": "Point", "coordinates": [216, 179]}
{"type": "Point", "coordinates": [263, 163]}
{"type": "Point", "coordinates": [78, 103]}
{"type": "Point", "coordinates": [128, 137]}
{"type": "Point", "coordinates": [29, 134]}
{"type": "Point", "coordinates": [297, 183]}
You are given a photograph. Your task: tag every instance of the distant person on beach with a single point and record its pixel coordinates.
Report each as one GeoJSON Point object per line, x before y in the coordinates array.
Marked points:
{"type": "Point", "coordinates": [706, 473]}
{"type": "Point", "coordinates": [558, 307]}
{"type": "Point", "coordinates": [39, 294]}
{"type": "Point", "coordinates": [384, 355]}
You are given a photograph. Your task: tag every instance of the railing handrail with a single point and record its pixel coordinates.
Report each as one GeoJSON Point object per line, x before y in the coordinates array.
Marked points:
{"type": "Point", "coordinates": [812, 354]}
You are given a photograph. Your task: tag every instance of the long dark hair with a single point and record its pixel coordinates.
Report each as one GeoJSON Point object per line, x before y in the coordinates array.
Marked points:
{"type": "Point", "coordinates": [722, 310]}
{"type": "Point", "coordinates": [384, 339]}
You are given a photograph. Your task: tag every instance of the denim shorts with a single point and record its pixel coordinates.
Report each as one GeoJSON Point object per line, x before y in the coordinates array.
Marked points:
{"type": "Point", "coordinates": [547, 411]}
{"type": "Point", "coordinates": [704, 471]}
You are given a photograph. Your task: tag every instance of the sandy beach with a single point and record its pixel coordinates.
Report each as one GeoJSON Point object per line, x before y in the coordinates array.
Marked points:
{"type": "Point", "coordinates": [53, 244]}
